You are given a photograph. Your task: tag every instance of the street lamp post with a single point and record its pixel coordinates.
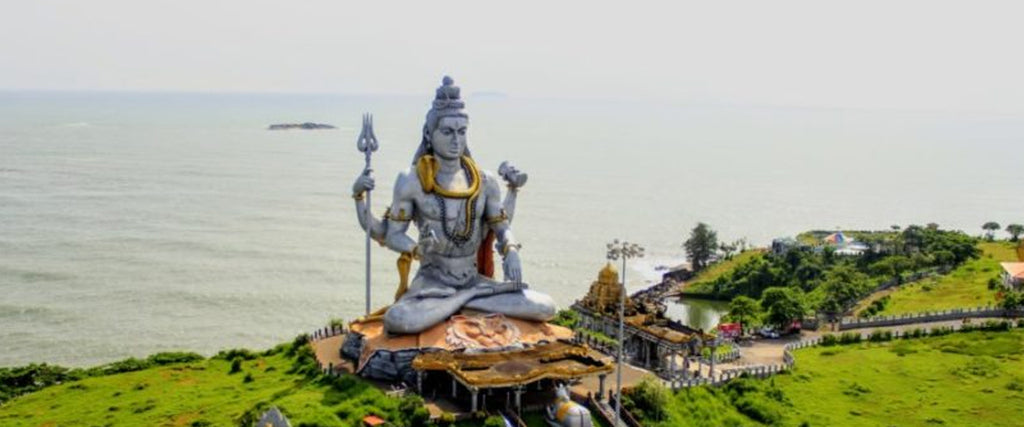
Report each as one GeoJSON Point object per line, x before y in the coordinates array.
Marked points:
{"type": "Point", "coordinates": [624, 250]}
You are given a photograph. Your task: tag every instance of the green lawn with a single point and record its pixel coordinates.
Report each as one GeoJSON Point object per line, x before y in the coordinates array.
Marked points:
{"type": "Point", "coordinates": [701, 284]}
{"type": "Point", "coordinates": [966, 286]}
{"type": "Point", "coordinates": [973, 378]}
{"type": "Point", "coordinates": [203, 393]}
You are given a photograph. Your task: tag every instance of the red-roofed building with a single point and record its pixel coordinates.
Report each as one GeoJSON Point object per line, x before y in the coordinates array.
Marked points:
{"type": "Point", "coordinates": [373, 421]}
{"type": "Point", "coordinates": [1013, 275]}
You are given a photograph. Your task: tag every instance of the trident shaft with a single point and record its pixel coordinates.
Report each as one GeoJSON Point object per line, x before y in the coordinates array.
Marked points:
{"type": "Point", "coordinates": [367, 143]}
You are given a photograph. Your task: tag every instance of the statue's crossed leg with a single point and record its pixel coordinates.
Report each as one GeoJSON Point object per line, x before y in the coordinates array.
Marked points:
{"type": "Point", "coordinates": [430, 303]}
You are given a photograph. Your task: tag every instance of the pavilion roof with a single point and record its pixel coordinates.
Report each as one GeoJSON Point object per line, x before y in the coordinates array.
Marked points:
{"type": "Point", "coordinates": [558, 360]}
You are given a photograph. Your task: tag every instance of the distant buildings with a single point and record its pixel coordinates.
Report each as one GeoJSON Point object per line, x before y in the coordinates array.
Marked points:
{"type": "Point", "coordinates": [838, 241]}
{"type": "Point", "coordinates": [1013, 275]}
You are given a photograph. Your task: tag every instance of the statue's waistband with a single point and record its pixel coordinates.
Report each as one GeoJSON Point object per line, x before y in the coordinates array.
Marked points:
{"type": "Point", "coordinates": [455, 271]}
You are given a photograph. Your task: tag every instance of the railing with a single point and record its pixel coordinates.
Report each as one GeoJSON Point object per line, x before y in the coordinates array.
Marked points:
{"type": "Point", "coordinates": [848, 323]}
{"type": "Point", "coordinates": [327, 332]}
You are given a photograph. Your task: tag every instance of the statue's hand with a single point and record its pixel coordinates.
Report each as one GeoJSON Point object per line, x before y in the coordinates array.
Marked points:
{"type": "Point", "coordinates": [512, 176]}
{"type": "Point", "coordinates": [363, 183]}
{"type": "Point", "coordinates": [428, 241]}
{"type": "Point", "coordinates": [512, 267]}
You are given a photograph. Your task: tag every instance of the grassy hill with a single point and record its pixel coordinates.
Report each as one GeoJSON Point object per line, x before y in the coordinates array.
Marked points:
{"type": "Point", "coordinates": [232, 389]}
{"type": "Point", "coordinates": [701, 284]}
{"type": "Point", "coordinates": [972, 378]}
{"type": "Point", "coordinates": [966, 286]}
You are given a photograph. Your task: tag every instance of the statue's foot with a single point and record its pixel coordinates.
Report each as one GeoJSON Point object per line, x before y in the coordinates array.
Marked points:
{"type": "Point", "coordinates": [502, 288]}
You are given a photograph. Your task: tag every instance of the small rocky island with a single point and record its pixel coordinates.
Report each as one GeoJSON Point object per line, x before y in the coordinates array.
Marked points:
{"type": "Point", "coordinates": [307, 126]}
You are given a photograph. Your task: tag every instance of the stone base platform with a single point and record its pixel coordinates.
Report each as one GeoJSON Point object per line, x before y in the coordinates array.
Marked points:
{"type": "Point", "coordinates": [376, 354]}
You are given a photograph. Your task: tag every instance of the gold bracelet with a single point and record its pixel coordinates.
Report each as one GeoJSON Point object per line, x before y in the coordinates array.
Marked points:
{"type": "Point", "coordinates": [359, 197]}
{"type": "Point", "coordinates": [506, 248]}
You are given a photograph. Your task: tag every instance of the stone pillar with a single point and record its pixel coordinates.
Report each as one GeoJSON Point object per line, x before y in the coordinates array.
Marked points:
{"type": "Point", "coordinates": [472, 399]}
{"type": "Point", "coordinates": [519, 399]}
{"type": "Point", "coordinates": [711, 370]}
{"type": "Point", "coordinates": [672, 367]}
{"type": "Point", "coordinates": [419, 382]}
{"type": "Point", "coordinates": [600, 386]}
{"type": "Point", "coordinates": [454, 388]}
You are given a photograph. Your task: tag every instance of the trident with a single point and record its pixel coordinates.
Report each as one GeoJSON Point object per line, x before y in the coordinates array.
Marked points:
{"type": "Point", "coordinates": [367, 143]}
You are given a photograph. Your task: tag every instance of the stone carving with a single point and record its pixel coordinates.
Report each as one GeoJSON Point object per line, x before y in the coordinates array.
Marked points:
{"type": "Point", "coordinates": [566, 413]}
{"type": "Point", "coordinates": [488, 332]}
{"type": "Point", "coordinates": [273, 418]}
{"type": "Point", "coordinates": [458, 211]}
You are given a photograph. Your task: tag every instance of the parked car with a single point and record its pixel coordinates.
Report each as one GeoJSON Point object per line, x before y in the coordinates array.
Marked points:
{"type": "Point", "coordinates": [768, 332]}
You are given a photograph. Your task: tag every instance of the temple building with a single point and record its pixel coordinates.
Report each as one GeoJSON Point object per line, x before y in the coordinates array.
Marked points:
{"type": "Point", "coordinates": [651, 340]}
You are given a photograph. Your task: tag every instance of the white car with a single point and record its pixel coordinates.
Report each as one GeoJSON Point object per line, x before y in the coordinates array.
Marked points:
{"type": "Point", "coordinates": [768, 333]}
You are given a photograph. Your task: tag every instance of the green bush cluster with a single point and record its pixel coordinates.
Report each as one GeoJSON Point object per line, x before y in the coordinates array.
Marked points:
{"type": "Point", "coordinates": [877, 306]}
{"type": "Point", "coordinates": [647, 400]}
{"type": "Point", "coordinates": [834, 283]}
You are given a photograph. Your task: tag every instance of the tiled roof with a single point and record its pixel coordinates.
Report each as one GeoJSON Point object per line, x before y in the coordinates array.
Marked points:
{"type": "Point", "coordinates": [1014, 269]}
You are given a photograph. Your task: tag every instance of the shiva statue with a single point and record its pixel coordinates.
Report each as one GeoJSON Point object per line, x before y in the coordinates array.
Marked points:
{"type": "Point", "coordinates": [461, 219]}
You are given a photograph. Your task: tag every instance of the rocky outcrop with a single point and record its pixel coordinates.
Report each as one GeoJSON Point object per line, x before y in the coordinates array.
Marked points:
{"type": "Point", "coordinates": [306, 126]}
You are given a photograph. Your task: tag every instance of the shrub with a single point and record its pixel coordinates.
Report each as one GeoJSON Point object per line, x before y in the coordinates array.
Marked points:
{"type": "Point", "coordinates": [236, 353]}
{"type": "Point", "coordinates": [566, 318]}
{"type": "Point", "coordinates": [849, 338]}
{"type": "Point", "coordinates": [446, 419]}
{"type": "Point", "coordinates": [880, 336]}
{"type": "Point", "coordinates": [248, 379]}
{"type": "Point", "coordinates": [494, 421]}
{"type": "Point", "coordinates": [994, 283]}
{"type": "Point", "coordinates": [25, 379]}
{"type": "Point", "coordinates": [130, 364]}
{"type": "Point", "coordinates": [829, 340]}
{"type": "Point", "coordinates": [647, 400]}
{"type": "Point", "coordinates": [413, 412]}
{"type": "Point", "coordinates": [236, 366]}
{"type": "Point", "coordinates": [169, 358]}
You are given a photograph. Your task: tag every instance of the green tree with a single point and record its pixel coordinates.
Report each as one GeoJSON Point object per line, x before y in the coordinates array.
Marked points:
{"type": "Point", "coordinates": [1015, 231]}
{"type": "Point", "coordinates": [701, 246]}
{"type": "Point", "coordinates": [648, 400]}
{"type": "Point", "coordinates": [990, 230]}
{"type": "Point", "coordinates": [783, 305]}
{"type": "Point", "coordinates": [1012, 300]}
{"type": "Point", "coordinates": [744, 308]}
{"type": "Point", "coordinates": [893, 266]}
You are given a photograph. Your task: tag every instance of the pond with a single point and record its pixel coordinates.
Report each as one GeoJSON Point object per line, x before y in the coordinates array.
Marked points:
{"type": "Point", "coordinates": [697, 313]}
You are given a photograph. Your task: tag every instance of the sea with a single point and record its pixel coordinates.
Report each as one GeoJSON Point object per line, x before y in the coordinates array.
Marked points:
{"type": "Point", "coordinates": [132, 223]}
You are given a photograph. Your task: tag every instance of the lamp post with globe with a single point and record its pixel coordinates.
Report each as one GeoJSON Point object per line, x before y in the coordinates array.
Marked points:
{"type": "Point", "coordinates": [623, 250]}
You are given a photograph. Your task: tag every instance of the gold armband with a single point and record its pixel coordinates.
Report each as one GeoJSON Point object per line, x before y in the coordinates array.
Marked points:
{"type": "Point", "coordinates": [359, 197]}
{"type": "Point", "coordinates": [500, 218]}
{"type": "Point", "coordinates": [400, 216]}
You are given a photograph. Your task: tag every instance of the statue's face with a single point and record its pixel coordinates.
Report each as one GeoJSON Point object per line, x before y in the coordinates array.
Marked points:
{"type": "Point", "coordinates": [449, 138]}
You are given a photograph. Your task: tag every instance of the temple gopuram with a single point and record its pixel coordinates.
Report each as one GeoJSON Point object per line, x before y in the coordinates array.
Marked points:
{"type": "Point", "coordinates": [651, 340]}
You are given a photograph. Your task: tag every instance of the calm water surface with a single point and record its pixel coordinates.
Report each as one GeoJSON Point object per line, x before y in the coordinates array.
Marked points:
{"type": "Point", "coordinates": [133, 223]}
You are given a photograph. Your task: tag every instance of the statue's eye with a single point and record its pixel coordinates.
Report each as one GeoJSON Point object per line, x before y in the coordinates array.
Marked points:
{"type": "Point", "coordinates": [462, 131]}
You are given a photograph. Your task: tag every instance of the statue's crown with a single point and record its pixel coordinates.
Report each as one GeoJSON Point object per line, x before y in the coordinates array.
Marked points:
{"type": "Point", "coordinates": [447, 96]}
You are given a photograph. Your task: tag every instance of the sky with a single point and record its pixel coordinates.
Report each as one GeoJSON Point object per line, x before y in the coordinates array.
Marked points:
{"type": "Point", "coordinates": [936, 55]}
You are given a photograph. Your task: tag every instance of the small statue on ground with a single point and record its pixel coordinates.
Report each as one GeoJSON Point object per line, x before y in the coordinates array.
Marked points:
{"type": "Point", "coordinates": [566, 413]}
{"type": "Point", "coordinates": [458, 211]}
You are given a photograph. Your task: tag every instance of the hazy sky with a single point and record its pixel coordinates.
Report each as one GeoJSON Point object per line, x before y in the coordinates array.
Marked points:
{"type": "Point", "coordinates": [963, 55]}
